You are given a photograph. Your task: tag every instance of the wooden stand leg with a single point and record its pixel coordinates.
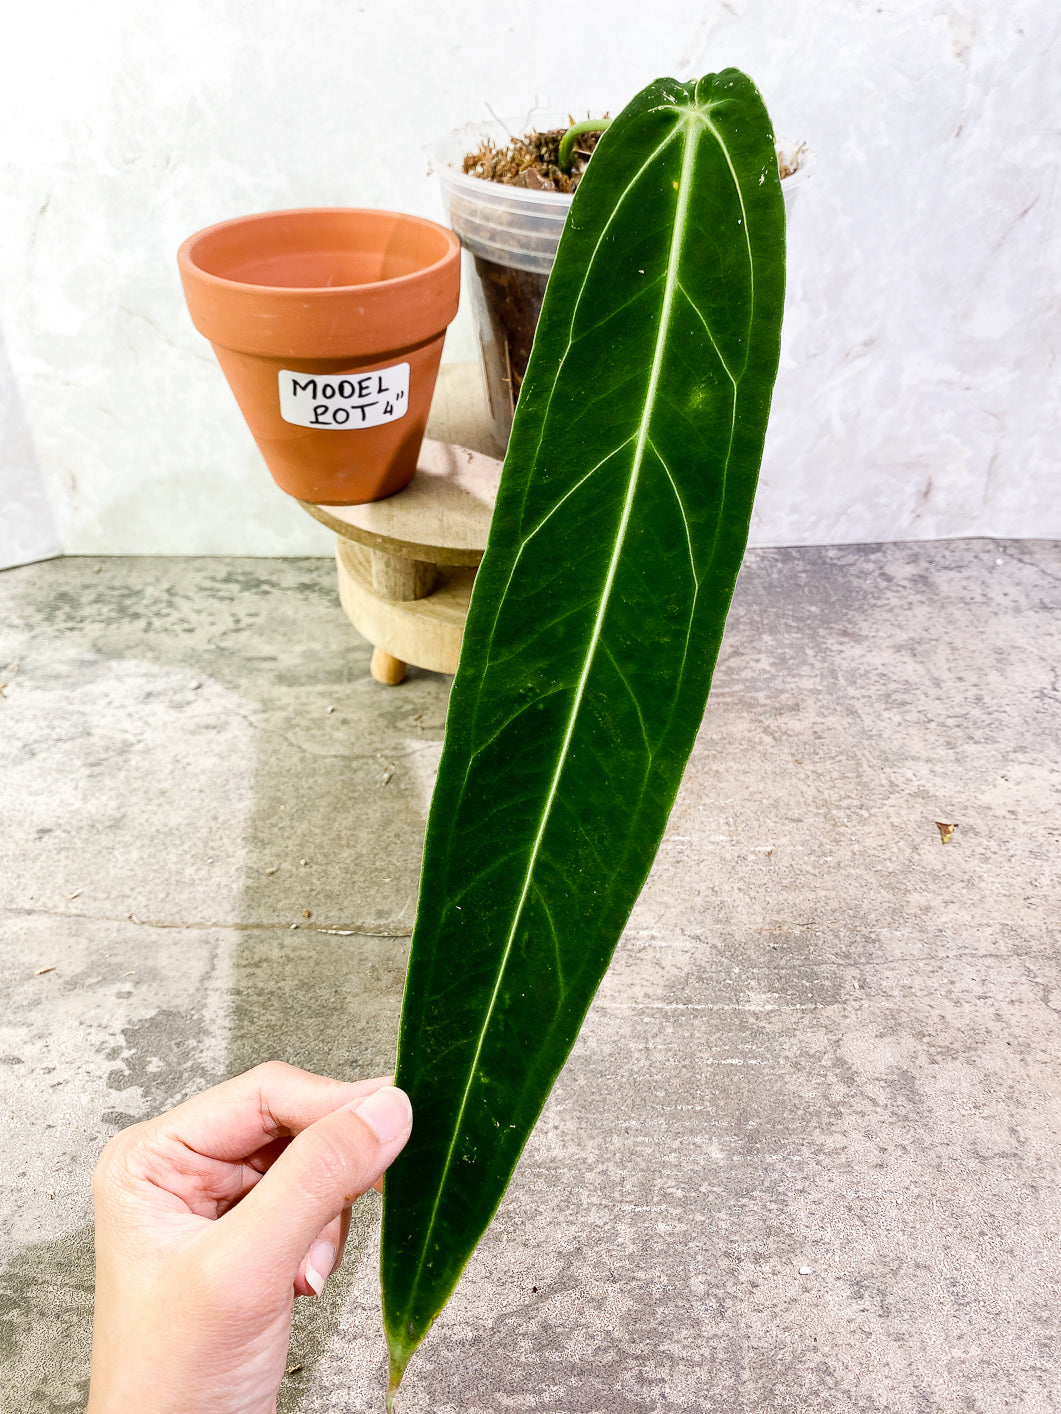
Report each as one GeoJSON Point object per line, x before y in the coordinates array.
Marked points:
{"type": "Point", "coordinates": [399, 580]}
{"type": "Point", "coordinates": [385, 669]}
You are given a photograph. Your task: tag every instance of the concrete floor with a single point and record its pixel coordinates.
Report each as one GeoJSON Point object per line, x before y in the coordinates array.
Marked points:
{"type": "Point", "coordinates": [806, 1153]}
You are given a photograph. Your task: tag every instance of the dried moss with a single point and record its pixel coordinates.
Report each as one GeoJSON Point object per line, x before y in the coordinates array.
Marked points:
{"type": "Point", "coordinates": [530, 161]}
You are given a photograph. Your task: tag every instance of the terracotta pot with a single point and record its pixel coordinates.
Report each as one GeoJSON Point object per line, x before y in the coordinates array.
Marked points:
{"type": "Point", "coordinates": [328, 324]}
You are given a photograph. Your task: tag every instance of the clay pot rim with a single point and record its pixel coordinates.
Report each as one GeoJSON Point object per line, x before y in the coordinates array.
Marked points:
{"type": "Point", "coordinates": [396, 283]}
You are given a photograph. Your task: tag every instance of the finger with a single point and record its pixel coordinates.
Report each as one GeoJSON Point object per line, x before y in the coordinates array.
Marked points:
{"type": "Point", "coordinates": [264, 1158]}
{"type": "Point", "coordinates": [335, 1233]}
{"type": "Point", "coordinates": [242, 1115]}
{"type": "Point", "coordinates": [320, 1261]}
{"type": "Point", "coordinates": [320, 1173]}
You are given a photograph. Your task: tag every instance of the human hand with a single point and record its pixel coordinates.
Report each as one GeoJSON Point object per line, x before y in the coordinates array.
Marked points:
{"type": "Point", "coordinates": [211, 1218]}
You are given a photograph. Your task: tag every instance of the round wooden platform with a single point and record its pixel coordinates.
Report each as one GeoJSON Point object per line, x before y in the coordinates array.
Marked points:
{"type": "Point", "coordinates": [406, 564]}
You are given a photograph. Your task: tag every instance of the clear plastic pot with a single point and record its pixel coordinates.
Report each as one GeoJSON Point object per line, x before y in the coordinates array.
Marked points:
{"type": "Point", "coordinates": [511, 235]}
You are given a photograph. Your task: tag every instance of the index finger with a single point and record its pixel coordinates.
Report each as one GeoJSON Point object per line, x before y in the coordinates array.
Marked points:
{"type": "Point", "coordinates": [238, 1117]}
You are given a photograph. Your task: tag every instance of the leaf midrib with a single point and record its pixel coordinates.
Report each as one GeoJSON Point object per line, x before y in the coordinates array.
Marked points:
{"type": "Point", "coordinates": [690, 122]}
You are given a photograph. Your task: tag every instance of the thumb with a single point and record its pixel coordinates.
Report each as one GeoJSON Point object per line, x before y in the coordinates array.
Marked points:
{"type": "Point", "coordinates": [320, 1173]}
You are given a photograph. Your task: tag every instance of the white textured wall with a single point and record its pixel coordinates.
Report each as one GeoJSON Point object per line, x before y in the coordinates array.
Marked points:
{"type": "Point", "coordinates": [918, 394]}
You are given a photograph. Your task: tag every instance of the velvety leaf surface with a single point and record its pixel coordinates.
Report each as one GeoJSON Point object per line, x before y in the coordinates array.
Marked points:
{"type": "Point", "coordinates": [591, 638]}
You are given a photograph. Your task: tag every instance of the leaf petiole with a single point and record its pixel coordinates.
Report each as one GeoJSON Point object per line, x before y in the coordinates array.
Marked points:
{"type": "Point", "coordinates": [566, 154]}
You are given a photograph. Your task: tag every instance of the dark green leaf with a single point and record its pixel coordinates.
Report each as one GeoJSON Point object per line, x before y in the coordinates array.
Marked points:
{"type": "Point", "coordinates": [592, 635]}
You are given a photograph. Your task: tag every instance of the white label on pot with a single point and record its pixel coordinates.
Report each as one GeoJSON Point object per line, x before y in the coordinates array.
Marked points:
{"type": "Point", "coordinates": [344, 401]}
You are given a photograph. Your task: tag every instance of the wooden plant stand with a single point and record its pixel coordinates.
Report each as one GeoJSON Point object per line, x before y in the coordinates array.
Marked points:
{"type": "Point", "coordinates": [406, 564]}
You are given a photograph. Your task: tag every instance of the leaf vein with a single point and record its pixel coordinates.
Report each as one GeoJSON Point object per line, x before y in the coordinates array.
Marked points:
{"type": "Point", "coordinates": [540, 893]}
{"type": "Point", "coordinates": [633, 698]}
{"type": "Point", "coordinates": [684, 516]}
{"type": "Point", "coordinates": [707, 330]}
{"type": "Point", "coordinates": [744, 227]}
